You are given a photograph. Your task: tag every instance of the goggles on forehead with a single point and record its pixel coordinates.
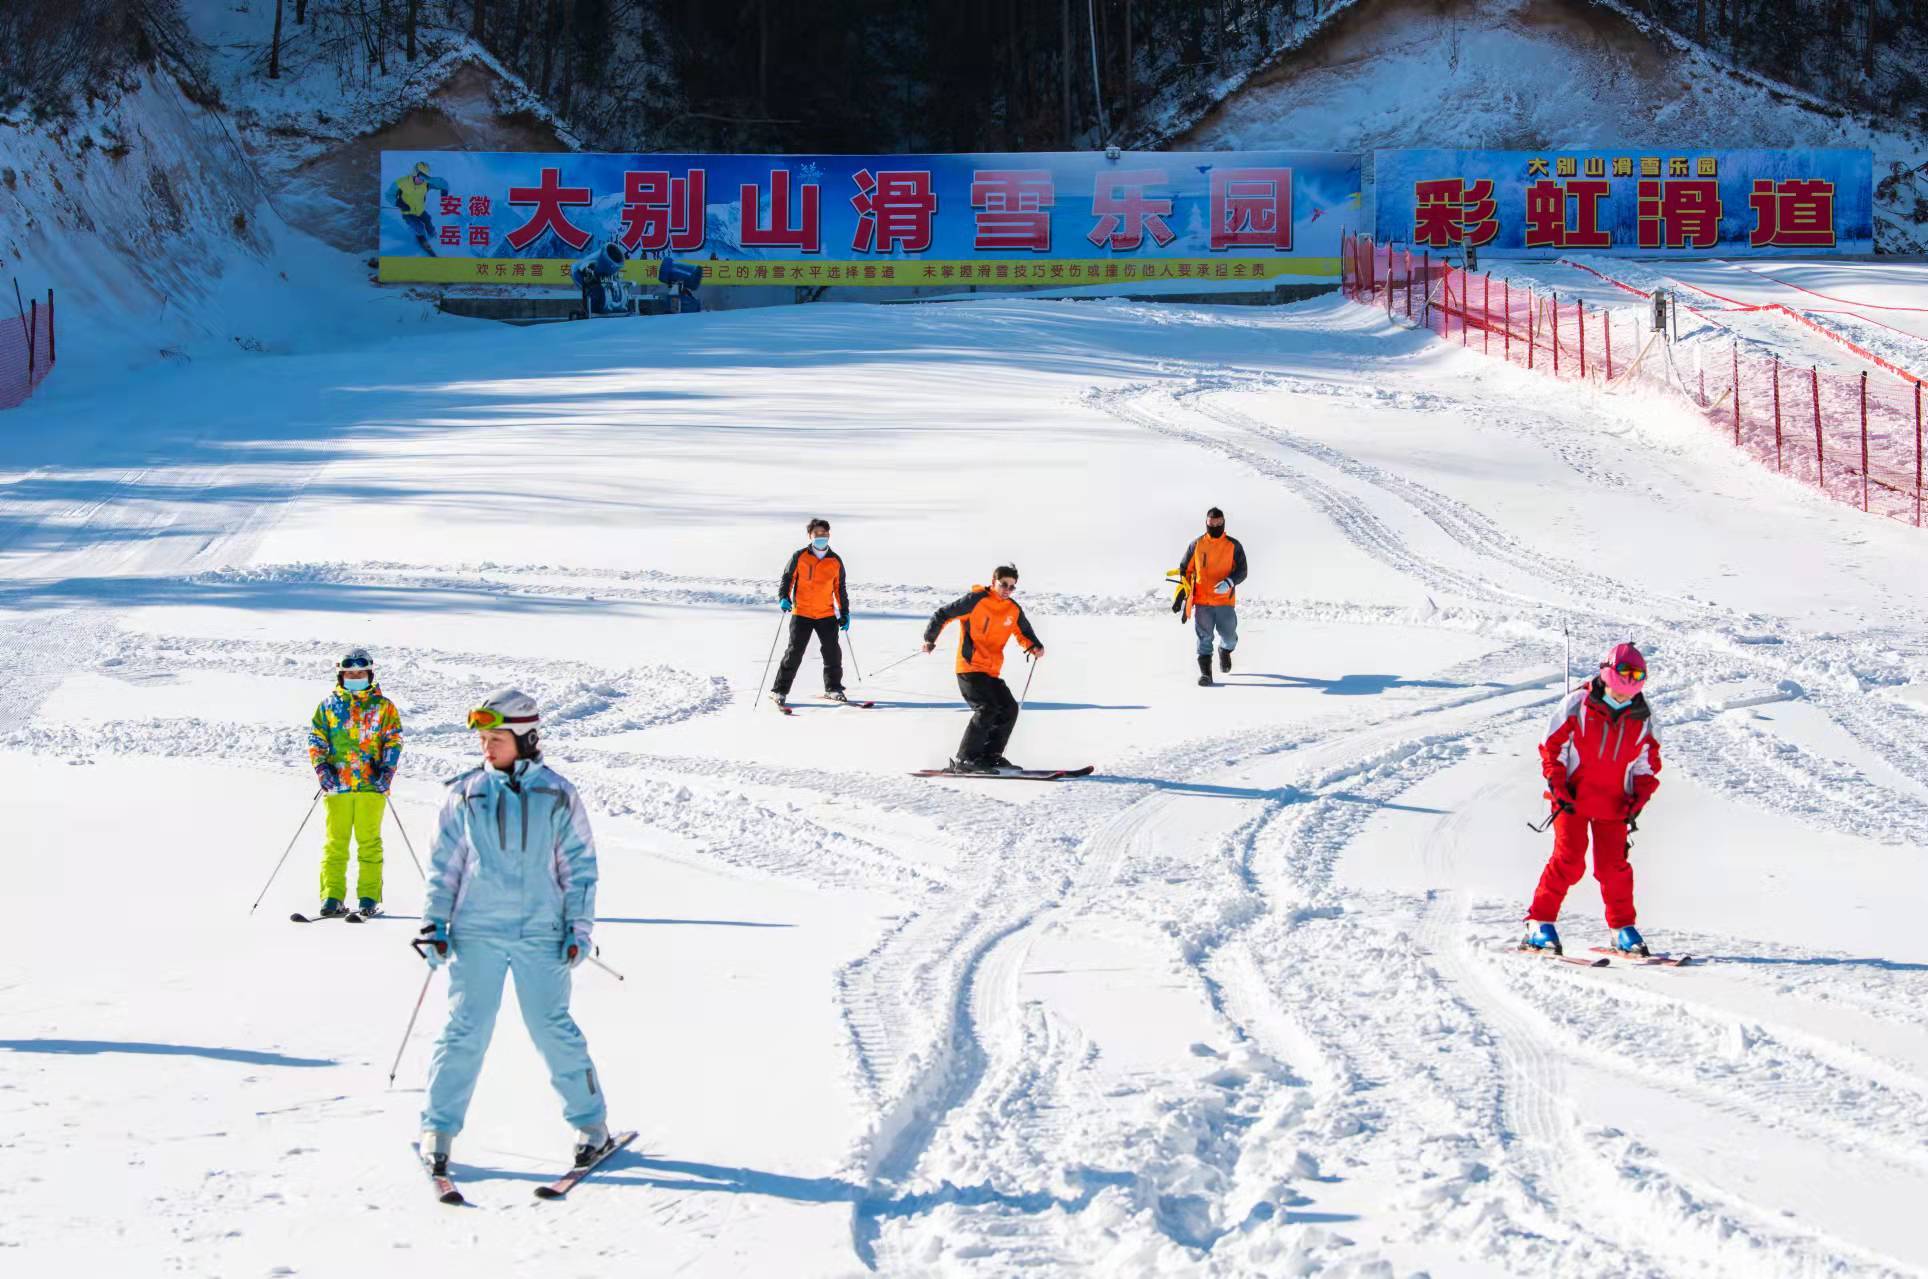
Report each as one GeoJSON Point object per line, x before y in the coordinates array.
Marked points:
{"type": "Point", "coordinates": [485, 718]}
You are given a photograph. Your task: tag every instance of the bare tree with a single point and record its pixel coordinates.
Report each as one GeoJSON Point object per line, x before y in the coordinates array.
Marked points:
{"type": "Point", "coordinates": [274, 49]}
{"type": "Point", "coordinates": [1064, 65]}
{"type": "Point", "coordinates": [481, 7]}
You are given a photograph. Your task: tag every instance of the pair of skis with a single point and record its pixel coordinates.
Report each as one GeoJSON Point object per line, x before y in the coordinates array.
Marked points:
{"type": "Point", "coordinates": [788, 709]}
{"type": "Point", "coordinates": [347, 916]}
{"type": "Point", "coordinates": [1012, 775]}
{"type": "Point", "coordinates": [1636, 961]}
{"type": "Point", "coordinates": [449, 1193]}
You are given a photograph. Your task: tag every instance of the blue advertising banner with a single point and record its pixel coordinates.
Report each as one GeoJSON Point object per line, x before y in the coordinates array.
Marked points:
{"type": "Point", "coordinates": [997, 219]}
{"type": "Point", "coordinates": [1627, 200]}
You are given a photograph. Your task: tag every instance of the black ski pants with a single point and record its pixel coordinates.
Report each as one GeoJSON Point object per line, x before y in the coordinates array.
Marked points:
{"type": "Point", "coordinates": [994, 713]}
{"type": "Point", "coordinates": [801, 628]}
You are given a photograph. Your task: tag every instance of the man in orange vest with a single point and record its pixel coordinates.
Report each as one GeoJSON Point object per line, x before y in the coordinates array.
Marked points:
{"type": "Point", "coordinates": [987, 618]}
{"type": "Point", "coordinates": [1211, 570]}
{"type": "Point", "coordinates": [813, 591]}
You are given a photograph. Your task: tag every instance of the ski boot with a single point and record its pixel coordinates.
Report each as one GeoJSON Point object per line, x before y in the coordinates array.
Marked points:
{"type": "Point", "coordinates": [968, 766]}
{"type": "Point", "coordinates": [435, 1152]}
{"type": "Point", "coordinates": [1225, 659]}
{"type": "Point", "coordinates": [331, 908]}
{"type": "Point", "coordinates": [367, 907]}
{"type": "Point", "coordinates": [781, 699]}
{"type": "Point", "coordinates": [1541, 937]}
{"type": "Point", "coordinates": [837, 695]}
{"type": "Point", "coordinates": [1003, 765]}
{"type": "Point", "coordinates": [1628, 941]}
{"type": "Point", "coordinates": [1205, 670]}
{"type": "Point", "coordinates": [592, 1144]}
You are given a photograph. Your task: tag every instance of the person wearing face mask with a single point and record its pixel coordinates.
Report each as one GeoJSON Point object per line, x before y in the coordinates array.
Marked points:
{"type": "Point", "coordinates": [1601, 760]}
{"type": "Point", "coordinates": [987, 618]}
{"type": "Point", "coordinates": [354, 745]}
{"type": "Point", "coordinates": [1210, 572]}
{"type": "Point", "coordinates": [813, 592]}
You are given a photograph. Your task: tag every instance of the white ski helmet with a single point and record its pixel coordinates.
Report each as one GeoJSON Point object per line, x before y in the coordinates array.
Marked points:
{"type": "Point", "coordinates": [515, 710]}
{"type": "Point", "coordinates": [356, 659]}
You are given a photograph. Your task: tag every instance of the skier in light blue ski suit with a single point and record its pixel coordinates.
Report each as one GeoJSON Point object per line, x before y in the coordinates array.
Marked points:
{"type": "Point", "coordinates": [511, 890]}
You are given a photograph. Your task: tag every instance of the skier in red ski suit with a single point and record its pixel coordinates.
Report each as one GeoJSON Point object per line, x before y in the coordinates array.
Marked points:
{"type": "Point", "coordinates": [1601, 760]}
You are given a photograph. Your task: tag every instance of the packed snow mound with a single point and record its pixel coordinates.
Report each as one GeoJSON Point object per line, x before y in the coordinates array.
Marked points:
{"type": "Point", "coordinates": [1536, 73]}
{"type": "Point", "coordinates": [155, 233]}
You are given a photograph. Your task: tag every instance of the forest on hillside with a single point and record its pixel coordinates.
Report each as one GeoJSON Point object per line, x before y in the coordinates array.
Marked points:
{"type": "Point", "coordinates": [837, 75]}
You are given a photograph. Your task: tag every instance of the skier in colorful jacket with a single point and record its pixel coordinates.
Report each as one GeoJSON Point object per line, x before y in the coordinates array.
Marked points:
{"type": "Point", "coordinates": [511, 889]}
{"type": "Point", "coordinates": [354, 745]}
{"type": "Point", "coordinates": [813, 591]}
{"type": "Point", "coordinates": [987, 619]}
{"type": "Point", "coordinates": [1601, 761]}
{"type": "Point", "coordinates": [1210, 572]}
{"type": "Point", "coordinates": [410, 195]}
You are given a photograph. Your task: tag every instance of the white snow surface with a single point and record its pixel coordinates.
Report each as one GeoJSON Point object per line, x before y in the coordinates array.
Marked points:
{"type": "Point", "coordinates": [1241, 1003]}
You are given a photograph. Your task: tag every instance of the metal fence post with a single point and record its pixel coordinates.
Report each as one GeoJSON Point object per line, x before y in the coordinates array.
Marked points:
{"type": "Point", "coordinates": [1777, 412]}
{"type": "Point", "coordinates": [1580, 315]}
{"type": "Point", "coordinates": [1820, 455]}
{"type": "Point", "coordinates": [1917, 455]}
{"type": "Point", "coordinates": [1606, 330]}
{"type": "Point", "coordinates": [1864, 439]}
{"type": "Point", "coordinates": [1506, 305]}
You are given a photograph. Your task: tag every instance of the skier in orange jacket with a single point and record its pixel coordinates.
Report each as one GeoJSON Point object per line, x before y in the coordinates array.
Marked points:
{"type": "Point", "coordinates": [987, 619]}
{"type": "Point", "coordinates": [1212, 568]}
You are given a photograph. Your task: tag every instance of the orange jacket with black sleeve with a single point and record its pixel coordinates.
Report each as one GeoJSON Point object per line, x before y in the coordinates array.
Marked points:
{"type": "Point", "coordinates": [815, 587]}
{"type": "Point", "coordinates": [985, 624]}
{"type": "Point", "coordinates": [1210, 560]}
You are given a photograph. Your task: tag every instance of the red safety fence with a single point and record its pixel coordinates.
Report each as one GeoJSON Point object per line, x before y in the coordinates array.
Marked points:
{"type": "Point", "coordinates": [1856, 436]}
{"type": "Point", "coordinates": [26, 351]}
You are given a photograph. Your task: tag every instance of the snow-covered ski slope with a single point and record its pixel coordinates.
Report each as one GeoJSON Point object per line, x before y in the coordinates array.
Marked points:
{"type": "Point", "coordinates": [1238, 1004]}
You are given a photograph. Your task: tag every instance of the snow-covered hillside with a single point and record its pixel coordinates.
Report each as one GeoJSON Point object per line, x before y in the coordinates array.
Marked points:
{"type": "Point", "coordinates": [1241, 1003]}
{"type": "Point", "coordinates": [1539, 73]}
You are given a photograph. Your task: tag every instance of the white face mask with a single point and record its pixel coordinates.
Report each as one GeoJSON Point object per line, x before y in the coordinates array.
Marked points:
{"type": "Point", "coordinates": [820, 543]}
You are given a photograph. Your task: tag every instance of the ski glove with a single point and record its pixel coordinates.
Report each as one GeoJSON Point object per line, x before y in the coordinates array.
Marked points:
{"type": "Point", "coordinates": [843, 623]}
{"type": "Point", "coordinates": [1224, 587]}
{"type": "Point", "coordinates": [575, 943]}
{"type": "Point", "coordinates": [784, 605]}
{"type": "Point", "coordinates": [325, 777]}
{"type": "Point", "coordinates": [435, 942]}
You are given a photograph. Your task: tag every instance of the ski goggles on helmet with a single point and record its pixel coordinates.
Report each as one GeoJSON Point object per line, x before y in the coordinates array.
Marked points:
{"type": "Point", "coordinates": [1635, 673]}
{"type": "Point", "coordinates": [486, 718]}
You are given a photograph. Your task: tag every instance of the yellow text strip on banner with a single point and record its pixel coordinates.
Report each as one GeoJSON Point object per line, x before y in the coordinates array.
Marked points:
{"type": "Point", "coordinates": [897, 272]}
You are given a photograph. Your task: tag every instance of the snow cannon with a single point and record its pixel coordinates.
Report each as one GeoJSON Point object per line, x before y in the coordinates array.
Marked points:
{"type": "Point", "coordinates": [685, 279]}
{"type": "Point", "coordinates": [598, 278]}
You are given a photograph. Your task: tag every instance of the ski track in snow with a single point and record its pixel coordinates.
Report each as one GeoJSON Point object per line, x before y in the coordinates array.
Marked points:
{"type": "Point", "coordinates": [1523, 1172]}
{"type": "Point", "coordinates": [1379, 1039]}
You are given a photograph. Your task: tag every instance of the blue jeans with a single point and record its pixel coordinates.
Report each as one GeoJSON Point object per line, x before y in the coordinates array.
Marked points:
{"type": "Point", "coordinates": [475, 994]}
{"type": "Point", "coordinates": [1222, 618]}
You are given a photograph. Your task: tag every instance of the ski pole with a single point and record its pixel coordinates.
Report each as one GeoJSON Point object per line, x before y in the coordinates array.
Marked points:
{"type": "Point", "coordinates": [289, 849]}
{"type": "Point", "coordinates": [408, 843]}
{"type": "Point", "coordinates": [411, 1026]}
{"type": "Point", "coordinates": [853, 657]}
{"type": "Point", "coordinates": [761, 684]}
{"type": "Point", "coordinates": [916, 652]}
{"type": "Point", "coordinates": [606, 968]}
{"type": "Point", "coordinates": [1027, 684]}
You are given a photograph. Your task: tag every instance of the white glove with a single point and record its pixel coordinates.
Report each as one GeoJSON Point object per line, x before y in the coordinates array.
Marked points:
{"type": "Point", "coordinates": [1224, 587]}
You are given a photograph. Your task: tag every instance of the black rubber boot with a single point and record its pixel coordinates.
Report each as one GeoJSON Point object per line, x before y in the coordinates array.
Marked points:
{"type": "Point", "coordinates": [1225, 659]}
{"type": "Point", "coordinates": [1205, 670]}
